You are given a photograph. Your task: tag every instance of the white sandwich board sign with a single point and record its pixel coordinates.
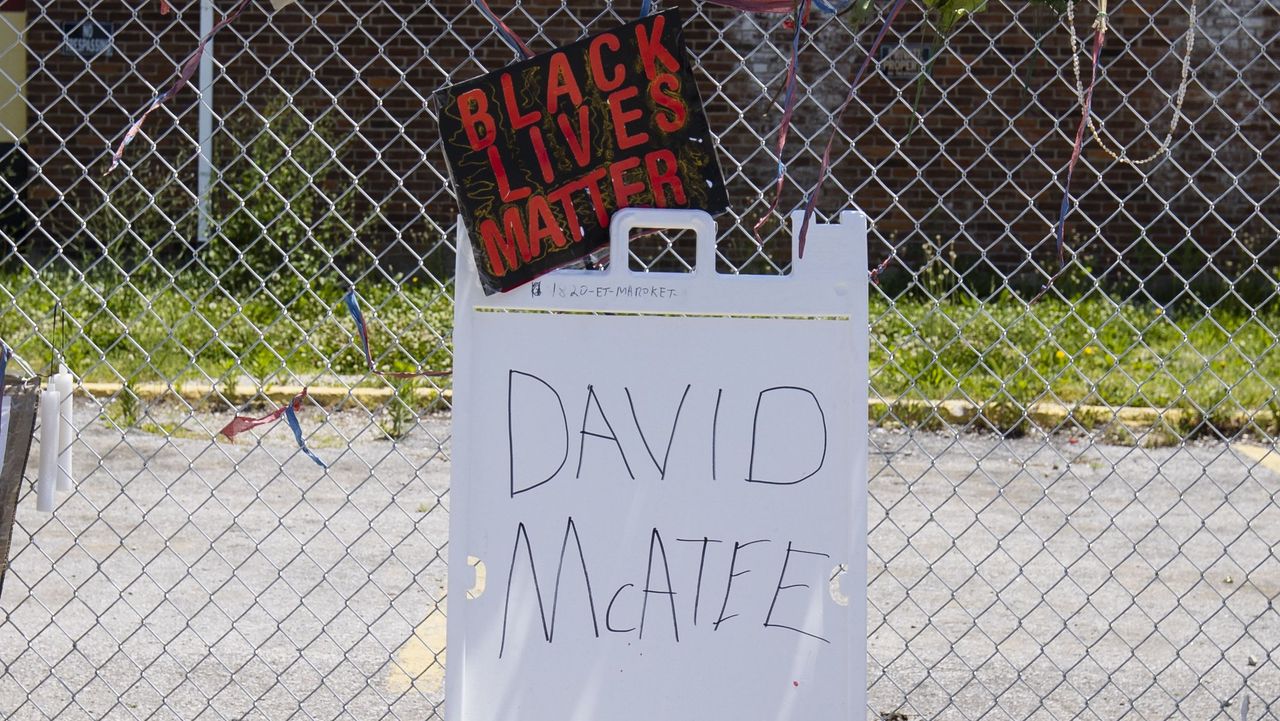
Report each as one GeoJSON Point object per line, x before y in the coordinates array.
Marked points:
{"type": "Point", "coordinates": [660, 473]}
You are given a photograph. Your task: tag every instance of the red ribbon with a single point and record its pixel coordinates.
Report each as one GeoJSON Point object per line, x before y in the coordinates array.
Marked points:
{"type": "Point", "coordinates": [505, 32]}
{"type": "Point", "coordinates": [853, 91]}
{"type": "Point", "coordinates": [789, 105]}
{"type": "Point", "coordinates": [240, 424]}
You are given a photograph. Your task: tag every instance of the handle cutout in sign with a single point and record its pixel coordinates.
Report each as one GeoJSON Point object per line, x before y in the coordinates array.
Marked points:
{"type": "Point", "coordinates": [545, 150]}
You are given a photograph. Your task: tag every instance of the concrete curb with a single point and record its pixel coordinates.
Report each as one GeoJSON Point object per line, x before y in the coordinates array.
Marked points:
{"type": "Point", "coordinates": [1150, 425]}
{"type": "Point", "coordinates": [1158, 426]}
{"type": "Point", "coordinates": [203, 395]}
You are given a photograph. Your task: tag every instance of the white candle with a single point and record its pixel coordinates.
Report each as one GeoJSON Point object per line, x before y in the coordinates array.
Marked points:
{"type": "Point", "coordinates": [47, 481]}
{"type": "Point", "coordinates": [4, 427]}
{"type": "Point", "coordinates": [63, 383]}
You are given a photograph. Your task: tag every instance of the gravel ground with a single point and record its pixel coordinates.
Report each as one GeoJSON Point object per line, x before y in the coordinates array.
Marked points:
{"type": "Point", "coordinates": [1010, 578]}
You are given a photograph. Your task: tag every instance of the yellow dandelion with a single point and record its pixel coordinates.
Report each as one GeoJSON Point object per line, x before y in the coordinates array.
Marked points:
{"type": "Point", "coordinates": [1061, 354]}
{"type": "Point", "coordinates": [1088, 350]}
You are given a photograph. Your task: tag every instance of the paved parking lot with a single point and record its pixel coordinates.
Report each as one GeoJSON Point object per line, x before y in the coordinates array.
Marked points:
{"type": "Point", "coordinates": [1023, 579]}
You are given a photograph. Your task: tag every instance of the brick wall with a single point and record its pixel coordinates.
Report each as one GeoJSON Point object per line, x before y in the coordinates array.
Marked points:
{"type": "Point", "coordinates": [977, 177]}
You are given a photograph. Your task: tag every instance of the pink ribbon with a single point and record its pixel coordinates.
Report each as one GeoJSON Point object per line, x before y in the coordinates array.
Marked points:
{"type": "Point", "coordinates": [788, 109]}
{"type": "Point", "coordinates": [289, 412]}
{"type": "Point", "coordinates": [853, 91]}
{"type": "Point", "coordinates": [240, 424]}
{"type": "Point", "coordinates": [185, 73]}
{"type": "Point", "coordinates": [1060, 230]}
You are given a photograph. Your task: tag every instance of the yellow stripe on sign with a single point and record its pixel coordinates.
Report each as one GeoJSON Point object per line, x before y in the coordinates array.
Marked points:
{"type": "Point", "coordinates": [13, 75]}
{"type": "Point", "coordinates": [1266, 457]}
{"type": "Point", "coordinates": [657, 314]}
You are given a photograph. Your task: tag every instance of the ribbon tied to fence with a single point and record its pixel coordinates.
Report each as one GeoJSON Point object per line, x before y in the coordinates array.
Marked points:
{"type": "Point", "coordinates": [353, 306]}
{"type": "Point", "coordinates": [289, 412]}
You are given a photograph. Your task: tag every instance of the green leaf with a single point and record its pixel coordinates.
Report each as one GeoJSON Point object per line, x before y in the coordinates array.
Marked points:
{"type": "Point", "coordinates": [858, 12]}
{"type": "Point", "coordinates": [951, 12]}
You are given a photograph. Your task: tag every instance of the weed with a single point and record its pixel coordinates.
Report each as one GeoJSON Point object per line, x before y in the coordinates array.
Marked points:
{"type": "Point", "coordinates": [125, 409]}
{"type": "Point", "coordinates": [170, 429]}
{"type": "Point", "coordinates": [284, 204]}
{"type": "Point", "coordinates": [401, 414]}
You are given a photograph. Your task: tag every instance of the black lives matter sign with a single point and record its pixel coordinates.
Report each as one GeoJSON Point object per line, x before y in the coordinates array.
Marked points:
{"type": "Point", "coordinates": [544, 151]}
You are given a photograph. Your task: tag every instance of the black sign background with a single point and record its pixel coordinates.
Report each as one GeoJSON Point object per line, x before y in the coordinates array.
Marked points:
{"type": "Point", "coordinates": [543, 151]}
{"type": "Point", "coordinates": [88, 39]}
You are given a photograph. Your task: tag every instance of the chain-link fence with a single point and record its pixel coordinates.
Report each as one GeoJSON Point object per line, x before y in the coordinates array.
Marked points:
{"type": "Point", "coordinates": [1072, 510]}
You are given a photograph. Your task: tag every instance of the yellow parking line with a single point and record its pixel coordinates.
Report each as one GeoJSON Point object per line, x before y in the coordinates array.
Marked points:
{"type": "Point", "coordinates": [420, 661]}
{"type": "Point", "coordinates": [1266, 457]}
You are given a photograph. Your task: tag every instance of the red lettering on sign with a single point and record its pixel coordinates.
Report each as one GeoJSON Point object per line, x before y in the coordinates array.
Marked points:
{"type": "Point", "coordinates": [666, 176]}
{"type": "Point", "coordinates": [564, 196]}
{"type": "Point", "coordinates": [518, 120]}
{"type": "Point", "coordinates": [473, 110]}
{"type": "Point", "coordinates": [560, 81]}
{"type": "Point", "coordinates": [605, 83]}
{"type": "Point", "coordinates": [622, 190]}
{"type": "Point", "coordinates": [580, 142]}
{"type": "Point", "coordinates": [499, 248]}
{"type": "Point", "coordinates": [591, 181]}
{"type": "Point", "coordinates": [652, 50]}
{"type": "Point", "coordinates": [540, 152]}
{"type": "Point", "coordinates": [544, 152]}
{"type": "Point", "coordinates": [543, 226]}
{"type": "Point", "coordinates": [622, 117]}
{"type": "Point", "coordinates": [504, 183]}
{"type": "Point", "coordinates": [665, 92]}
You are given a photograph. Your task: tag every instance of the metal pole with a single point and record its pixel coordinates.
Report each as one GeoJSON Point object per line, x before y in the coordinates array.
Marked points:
{"type": "Point", "coordinates": [204, 171]}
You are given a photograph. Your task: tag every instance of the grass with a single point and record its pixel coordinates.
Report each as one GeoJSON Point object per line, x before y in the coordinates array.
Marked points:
{"type": "Point", "coordinates": [185, 327]}
{"type": "Point", "coordinates": [1094, 349]}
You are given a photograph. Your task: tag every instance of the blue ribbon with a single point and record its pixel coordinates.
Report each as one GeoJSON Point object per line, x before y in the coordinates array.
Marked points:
{"type": "Point", "coordinates": [353, 307]}
{"type": "Point", "coordinates": [832, 7]}
{"type": "Point", "coordinates": [291, 418]}
{"type": "Point", "coordinates": [504, 31]}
